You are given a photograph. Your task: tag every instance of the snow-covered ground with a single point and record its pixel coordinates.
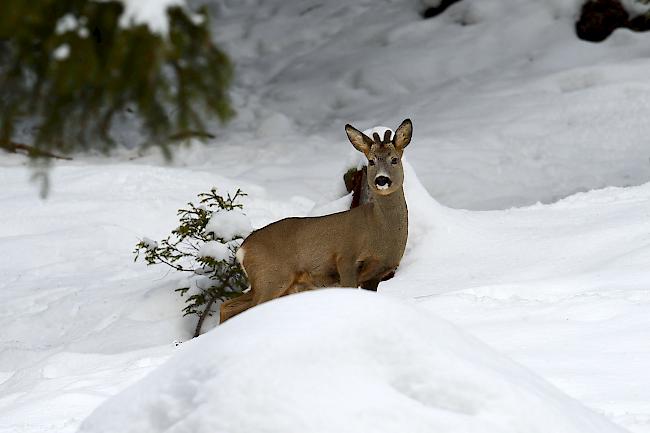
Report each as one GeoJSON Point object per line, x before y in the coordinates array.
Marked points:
{"type": "Point", "coordinates": [341, 361]}
{"type": "Point", "coordinates": [509, 108]}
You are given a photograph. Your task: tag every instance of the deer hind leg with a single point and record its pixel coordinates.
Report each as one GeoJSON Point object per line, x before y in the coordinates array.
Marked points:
{"type": "Point", "coordinates": [348, 272]}
{"type": "Point", "coordinates": [270, 288]}
{"type": "Point", "coordinates": [234, 306]}
{"type": "Point", "coordinates": [263, 290]}
{"type": "Point", "coordinates": [302, 282]}
{"type": "Point", "coordinates": [258, 294]}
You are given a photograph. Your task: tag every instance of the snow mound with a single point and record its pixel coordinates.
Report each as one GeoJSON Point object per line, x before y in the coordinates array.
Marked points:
{"type": "Point", "coordinates": [341, 361]}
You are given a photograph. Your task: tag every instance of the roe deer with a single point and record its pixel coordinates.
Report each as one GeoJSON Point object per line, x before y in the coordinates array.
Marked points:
{"type": "Point", "coordinates": [357, 247]}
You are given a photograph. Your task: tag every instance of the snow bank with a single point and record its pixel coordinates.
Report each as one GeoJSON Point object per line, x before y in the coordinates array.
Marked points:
{"type": "Point", "coordinates": [335, 361]}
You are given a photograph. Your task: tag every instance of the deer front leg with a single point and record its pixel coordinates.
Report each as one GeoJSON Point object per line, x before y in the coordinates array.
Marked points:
{"type": "Point", "coordinates": [347, 269]}
{"type": "Point", "coordinates": [371, 285]}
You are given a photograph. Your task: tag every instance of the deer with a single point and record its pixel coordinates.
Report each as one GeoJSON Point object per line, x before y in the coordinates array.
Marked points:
{"type": "Point", "coordinates": [354, 248]}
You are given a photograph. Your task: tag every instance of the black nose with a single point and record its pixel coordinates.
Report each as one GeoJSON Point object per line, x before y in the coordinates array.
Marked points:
{"type": "Point", "coordinates": [382, 181]}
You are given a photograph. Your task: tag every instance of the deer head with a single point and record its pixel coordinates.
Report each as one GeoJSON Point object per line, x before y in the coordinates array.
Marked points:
{"type": "Point", "coordinates": [385, 172]}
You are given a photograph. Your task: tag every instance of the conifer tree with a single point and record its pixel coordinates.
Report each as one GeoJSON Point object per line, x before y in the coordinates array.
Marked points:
{"type": "Point", "coordinates": [68, 68]}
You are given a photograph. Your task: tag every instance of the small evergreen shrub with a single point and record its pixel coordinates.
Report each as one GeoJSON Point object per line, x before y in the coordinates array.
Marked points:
{"type": "Point", "coordinates": [204, 246]}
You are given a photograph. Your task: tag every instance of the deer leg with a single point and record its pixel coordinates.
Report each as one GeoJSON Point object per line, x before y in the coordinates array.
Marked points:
{"type": "Point", "coordinates": [234, 306]}
{"type": "Point", "coordinates": [267, 290]}
{"type": "Point", "coordinates": [370, 273]}
{"type": "Point", "coordinates": [301, 283]}
{"type": "Point", "coordinates": [347, 270]}
{"type": "Point", "coordinates": [258, 294]}
{"type": "Point", "coordinates": [371, 284]}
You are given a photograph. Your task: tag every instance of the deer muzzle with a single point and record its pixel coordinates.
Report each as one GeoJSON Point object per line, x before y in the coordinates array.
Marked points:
{"type": "Point", "coordinates": [383, 182]}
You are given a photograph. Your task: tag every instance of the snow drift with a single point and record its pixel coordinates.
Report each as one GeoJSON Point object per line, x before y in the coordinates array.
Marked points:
{"type": "Point", "coordinates": [341, 361]}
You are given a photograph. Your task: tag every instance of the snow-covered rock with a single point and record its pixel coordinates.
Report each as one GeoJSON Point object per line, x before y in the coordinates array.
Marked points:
{"type": "Point", "coordinates": [341, 361]}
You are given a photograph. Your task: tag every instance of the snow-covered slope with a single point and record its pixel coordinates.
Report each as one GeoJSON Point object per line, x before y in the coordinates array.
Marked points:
{"type": "Point", "coordinates": [509, 108]}
{"type": "Point", "coordinates": [561, 288]}
{"type": "Point", "coordinates": [341, 361]}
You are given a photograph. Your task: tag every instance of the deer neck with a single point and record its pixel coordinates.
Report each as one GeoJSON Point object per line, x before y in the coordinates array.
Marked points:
{"type": "Point", "coordinates": [391, 208]}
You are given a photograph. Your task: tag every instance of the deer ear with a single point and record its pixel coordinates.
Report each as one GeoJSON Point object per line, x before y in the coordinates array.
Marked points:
{"type": "Point", "coordinates": [359, 140]}
{"type": "Point", "coordinates": [403, 135]}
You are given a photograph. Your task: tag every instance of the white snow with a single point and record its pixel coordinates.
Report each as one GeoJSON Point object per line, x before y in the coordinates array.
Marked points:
{"type": "Point", "coordinates": [215, 250]}
{"type": "Point", "coordinates": [341, 360]}
{"type": "Point", "coordinates": [381, 130]}
{"type": "Point", "coordinates": [636, 7]}
{"type": "Point", "coordinates": [560, 289]}
{"type": "Point", "coordinates": [275, 125]}
{"type": "Point", "coordinates": [228, 225]}
{"type": "Point", "coordinates": [152, 13]}
{"type": "Point", "coordinates": [66, 23]}
{"type": "Point", "coordinates": [509, 109]}
{"type": "Point", "coordinates": [150, 244]}
{"type": "Point", "coordinates": [61, 52]}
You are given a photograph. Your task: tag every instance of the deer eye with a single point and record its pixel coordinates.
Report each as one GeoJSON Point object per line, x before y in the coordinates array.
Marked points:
{"type": "Point", "coordinates": [371, 162]}
{"type": "Point", "coordinates": [394, 161]}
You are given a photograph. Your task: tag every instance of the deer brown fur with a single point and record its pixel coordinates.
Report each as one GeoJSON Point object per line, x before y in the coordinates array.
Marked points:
{"type": "Point", "coordinates": [357, 247]}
